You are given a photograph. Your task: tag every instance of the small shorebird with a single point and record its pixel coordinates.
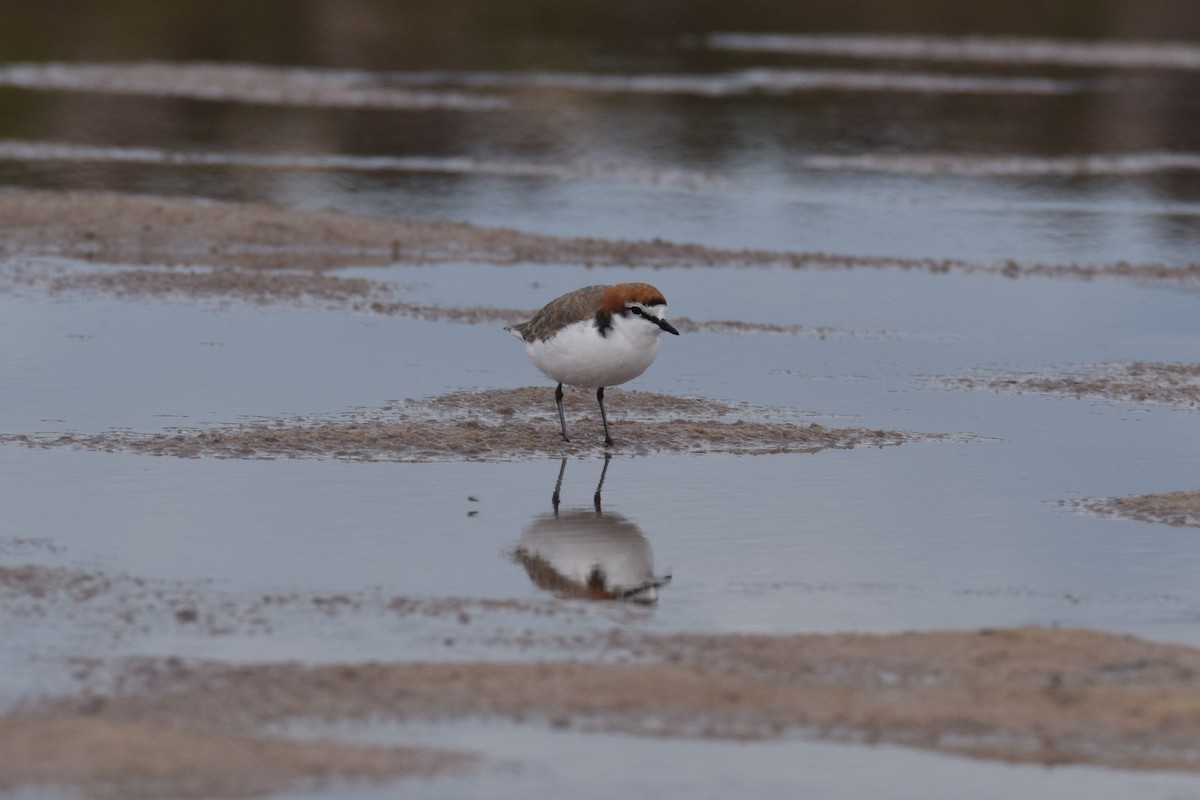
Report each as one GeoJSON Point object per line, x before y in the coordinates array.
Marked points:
{"type": "Point", "coordinates": [594, 337]}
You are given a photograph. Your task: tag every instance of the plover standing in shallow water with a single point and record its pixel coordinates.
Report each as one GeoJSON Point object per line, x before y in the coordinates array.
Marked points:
{"type": "Point", "coordinates": [594, 337]}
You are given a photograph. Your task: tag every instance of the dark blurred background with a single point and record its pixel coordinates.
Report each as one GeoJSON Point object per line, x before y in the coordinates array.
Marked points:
{"type": "Point", "coordinates": [763, 137]}
{"type": "Point", "coordinates": [541, 34]}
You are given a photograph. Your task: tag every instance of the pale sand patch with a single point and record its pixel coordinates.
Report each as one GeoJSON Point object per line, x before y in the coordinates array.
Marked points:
{"type": "Point", "coordinates": [1177, 509]}
{"type": "Point", "coordinates": [153, 726]}
{"type": "Point", "coordinates": [497, 425]}
{"type": "Point", "coordinates": [131, 229]}
{"type": "Point", "coordinates": [1138, 382]}
{"type": "Point", "coordinates": [1022, 694]}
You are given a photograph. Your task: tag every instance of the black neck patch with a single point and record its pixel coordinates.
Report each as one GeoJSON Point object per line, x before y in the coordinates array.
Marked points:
{"type": "Point", "coordinates": [603, 323]}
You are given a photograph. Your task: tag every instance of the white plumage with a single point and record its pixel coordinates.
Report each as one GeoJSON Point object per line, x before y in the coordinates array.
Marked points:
{"type": "Point", "coordinates": [579, 356]}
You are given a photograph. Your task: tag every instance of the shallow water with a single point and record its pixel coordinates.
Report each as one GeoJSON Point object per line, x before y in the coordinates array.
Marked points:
{"type": "Point", "coordinates": [593, 765]}
{"type": "Point", "coordinates": [955, 534]}
{"type": "Point", "coordinates": [1038, 152]}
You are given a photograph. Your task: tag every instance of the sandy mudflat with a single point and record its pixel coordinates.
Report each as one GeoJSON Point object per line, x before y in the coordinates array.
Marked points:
{"type": "Point", "coordinates": [150, 727]}
{"type": "Point", "coordinates": [1138, 382]}
{"type": "Point", "coordinates": [154, 726]}
{"type": "Point", "coordinates": [498, 425]}
{"type": "Point", "coordinates": [1177, 509]}
{"type": "Point", "coordinates": [1021, 694]}
{"type": "Point", "coordinates": [1169, 384]}
{"type": "Point", "coordinates": [132, 229]}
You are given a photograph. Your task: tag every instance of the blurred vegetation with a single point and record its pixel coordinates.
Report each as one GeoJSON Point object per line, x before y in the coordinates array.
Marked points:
{"type": "Point", "coordinates": [528, 34]}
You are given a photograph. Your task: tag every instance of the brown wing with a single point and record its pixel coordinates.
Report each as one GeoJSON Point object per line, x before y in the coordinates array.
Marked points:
{"type": "Point", "coordinates": [573, 307]}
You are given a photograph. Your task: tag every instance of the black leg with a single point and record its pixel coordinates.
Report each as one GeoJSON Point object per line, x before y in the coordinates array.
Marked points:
{"type": "Point", "coordinates": [561, 419]}
{"type": "Point", "coordinates": [600, 485]}
{"type": "Point", "coordinates": [603, 416]}
{"type": "Point", "coordinates": [558, 485]}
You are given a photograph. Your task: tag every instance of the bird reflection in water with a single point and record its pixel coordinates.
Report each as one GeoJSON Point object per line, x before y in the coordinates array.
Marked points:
{"type": "Point", "coordinates": [589, 553]}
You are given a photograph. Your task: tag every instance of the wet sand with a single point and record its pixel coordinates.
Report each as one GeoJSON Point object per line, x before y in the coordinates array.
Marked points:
{"type": "Point", "coordinates": [1138, 382]}
{"type": "Point", "coordinates": [150, 726]}
{"type": "Point", "coordinates": [1021, 694]}
{"type": "Point", "coordinates": [1177, 509]}
{"type": "Point", "coordinates": [130, 229]}
{"type": "Point", "coordinates": [498, 425]}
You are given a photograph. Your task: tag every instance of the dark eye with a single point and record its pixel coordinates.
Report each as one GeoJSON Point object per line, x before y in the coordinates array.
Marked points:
{"type": "Point", "coordinates": [636, 310]}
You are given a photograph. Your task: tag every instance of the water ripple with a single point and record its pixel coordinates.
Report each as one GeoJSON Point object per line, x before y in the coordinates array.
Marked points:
{"type": "Point", "coordinates": [399, 90]}
{"type": "Point", "coordinates": [241, 83]}
{"type": "Point", "coordinates": [1009, 165]}
{"type": "Point", "coordinates": [15, 150]}
{"type": "Point", "coordinates": [994, 50]}
{"type": "Point", "coordinates": [741, 82]}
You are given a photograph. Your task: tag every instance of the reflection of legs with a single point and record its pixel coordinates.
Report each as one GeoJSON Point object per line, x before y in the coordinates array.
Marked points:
{"type": "Point", "coordinates": [603, 417]}
{"type": "Point", "coordinates": [600, 485]}
{"type": "Point", "coordinates": [561, 419]}
{"type": "Point", "coordinates": [558, 485]}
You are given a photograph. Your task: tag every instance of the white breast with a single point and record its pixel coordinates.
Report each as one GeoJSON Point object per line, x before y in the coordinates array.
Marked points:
{"type": "Point", "coordinates": [579, 356]}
